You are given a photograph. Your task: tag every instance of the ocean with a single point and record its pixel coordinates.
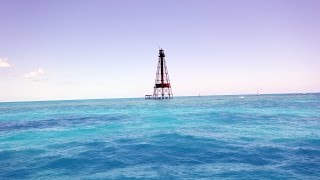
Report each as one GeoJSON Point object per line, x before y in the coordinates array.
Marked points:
{"type": "Point", "coordinates": [208, 137]}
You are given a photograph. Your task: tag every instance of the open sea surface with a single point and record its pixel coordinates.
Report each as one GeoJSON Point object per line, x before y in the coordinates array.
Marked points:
{"type": "Point", "coordinates": [212, 137]}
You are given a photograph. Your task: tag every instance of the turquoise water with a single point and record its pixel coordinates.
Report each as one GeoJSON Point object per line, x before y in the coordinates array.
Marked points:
{"type": "Point", "coordinates": [214, 137]}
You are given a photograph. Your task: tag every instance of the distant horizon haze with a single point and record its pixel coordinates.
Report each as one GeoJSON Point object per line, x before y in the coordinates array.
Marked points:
{"type": "Point", "coordinates": [183, 96]}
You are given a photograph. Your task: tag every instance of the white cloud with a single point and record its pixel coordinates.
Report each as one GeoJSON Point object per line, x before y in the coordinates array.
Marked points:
{"type": "Point", "coordinates": [35, 74]}
{"type": "Point", "coordinates": [4, 63]}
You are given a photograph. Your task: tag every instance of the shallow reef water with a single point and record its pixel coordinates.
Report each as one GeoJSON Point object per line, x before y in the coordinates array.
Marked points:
{"type": "Point", "coordinates": [208, 137]}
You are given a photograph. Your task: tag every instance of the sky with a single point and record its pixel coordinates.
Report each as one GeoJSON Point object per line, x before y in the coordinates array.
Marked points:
{"type": "Point", "coordinates": [80, 49]}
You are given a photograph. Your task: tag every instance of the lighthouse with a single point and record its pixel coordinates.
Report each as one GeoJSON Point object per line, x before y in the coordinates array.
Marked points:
{"type": "Point", "coordinates": [162, 86]}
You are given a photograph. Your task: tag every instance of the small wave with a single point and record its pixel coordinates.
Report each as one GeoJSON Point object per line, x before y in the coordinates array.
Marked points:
{"type": "Point", "coordinates": [54, 123]}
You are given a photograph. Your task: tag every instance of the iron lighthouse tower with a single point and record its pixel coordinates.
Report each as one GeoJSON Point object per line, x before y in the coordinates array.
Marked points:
{"type": "Point", "coordinates": [162, 87]}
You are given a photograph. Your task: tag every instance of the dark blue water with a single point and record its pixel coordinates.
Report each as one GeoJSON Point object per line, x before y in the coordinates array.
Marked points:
{"type": "Point", "coordinates": [218, 137]}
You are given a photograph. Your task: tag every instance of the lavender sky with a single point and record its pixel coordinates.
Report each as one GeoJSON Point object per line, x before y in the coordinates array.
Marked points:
{"type": "Point", "coordinates": [79, 49]}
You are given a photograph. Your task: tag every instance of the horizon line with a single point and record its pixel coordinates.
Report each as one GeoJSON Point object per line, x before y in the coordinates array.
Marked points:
{"type": "Point", "coordinates": [142, 97]}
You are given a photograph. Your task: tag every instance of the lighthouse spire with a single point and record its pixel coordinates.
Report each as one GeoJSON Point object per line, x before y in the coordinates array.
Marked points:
{"type": "Point", "coordinates": [162, 87]}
